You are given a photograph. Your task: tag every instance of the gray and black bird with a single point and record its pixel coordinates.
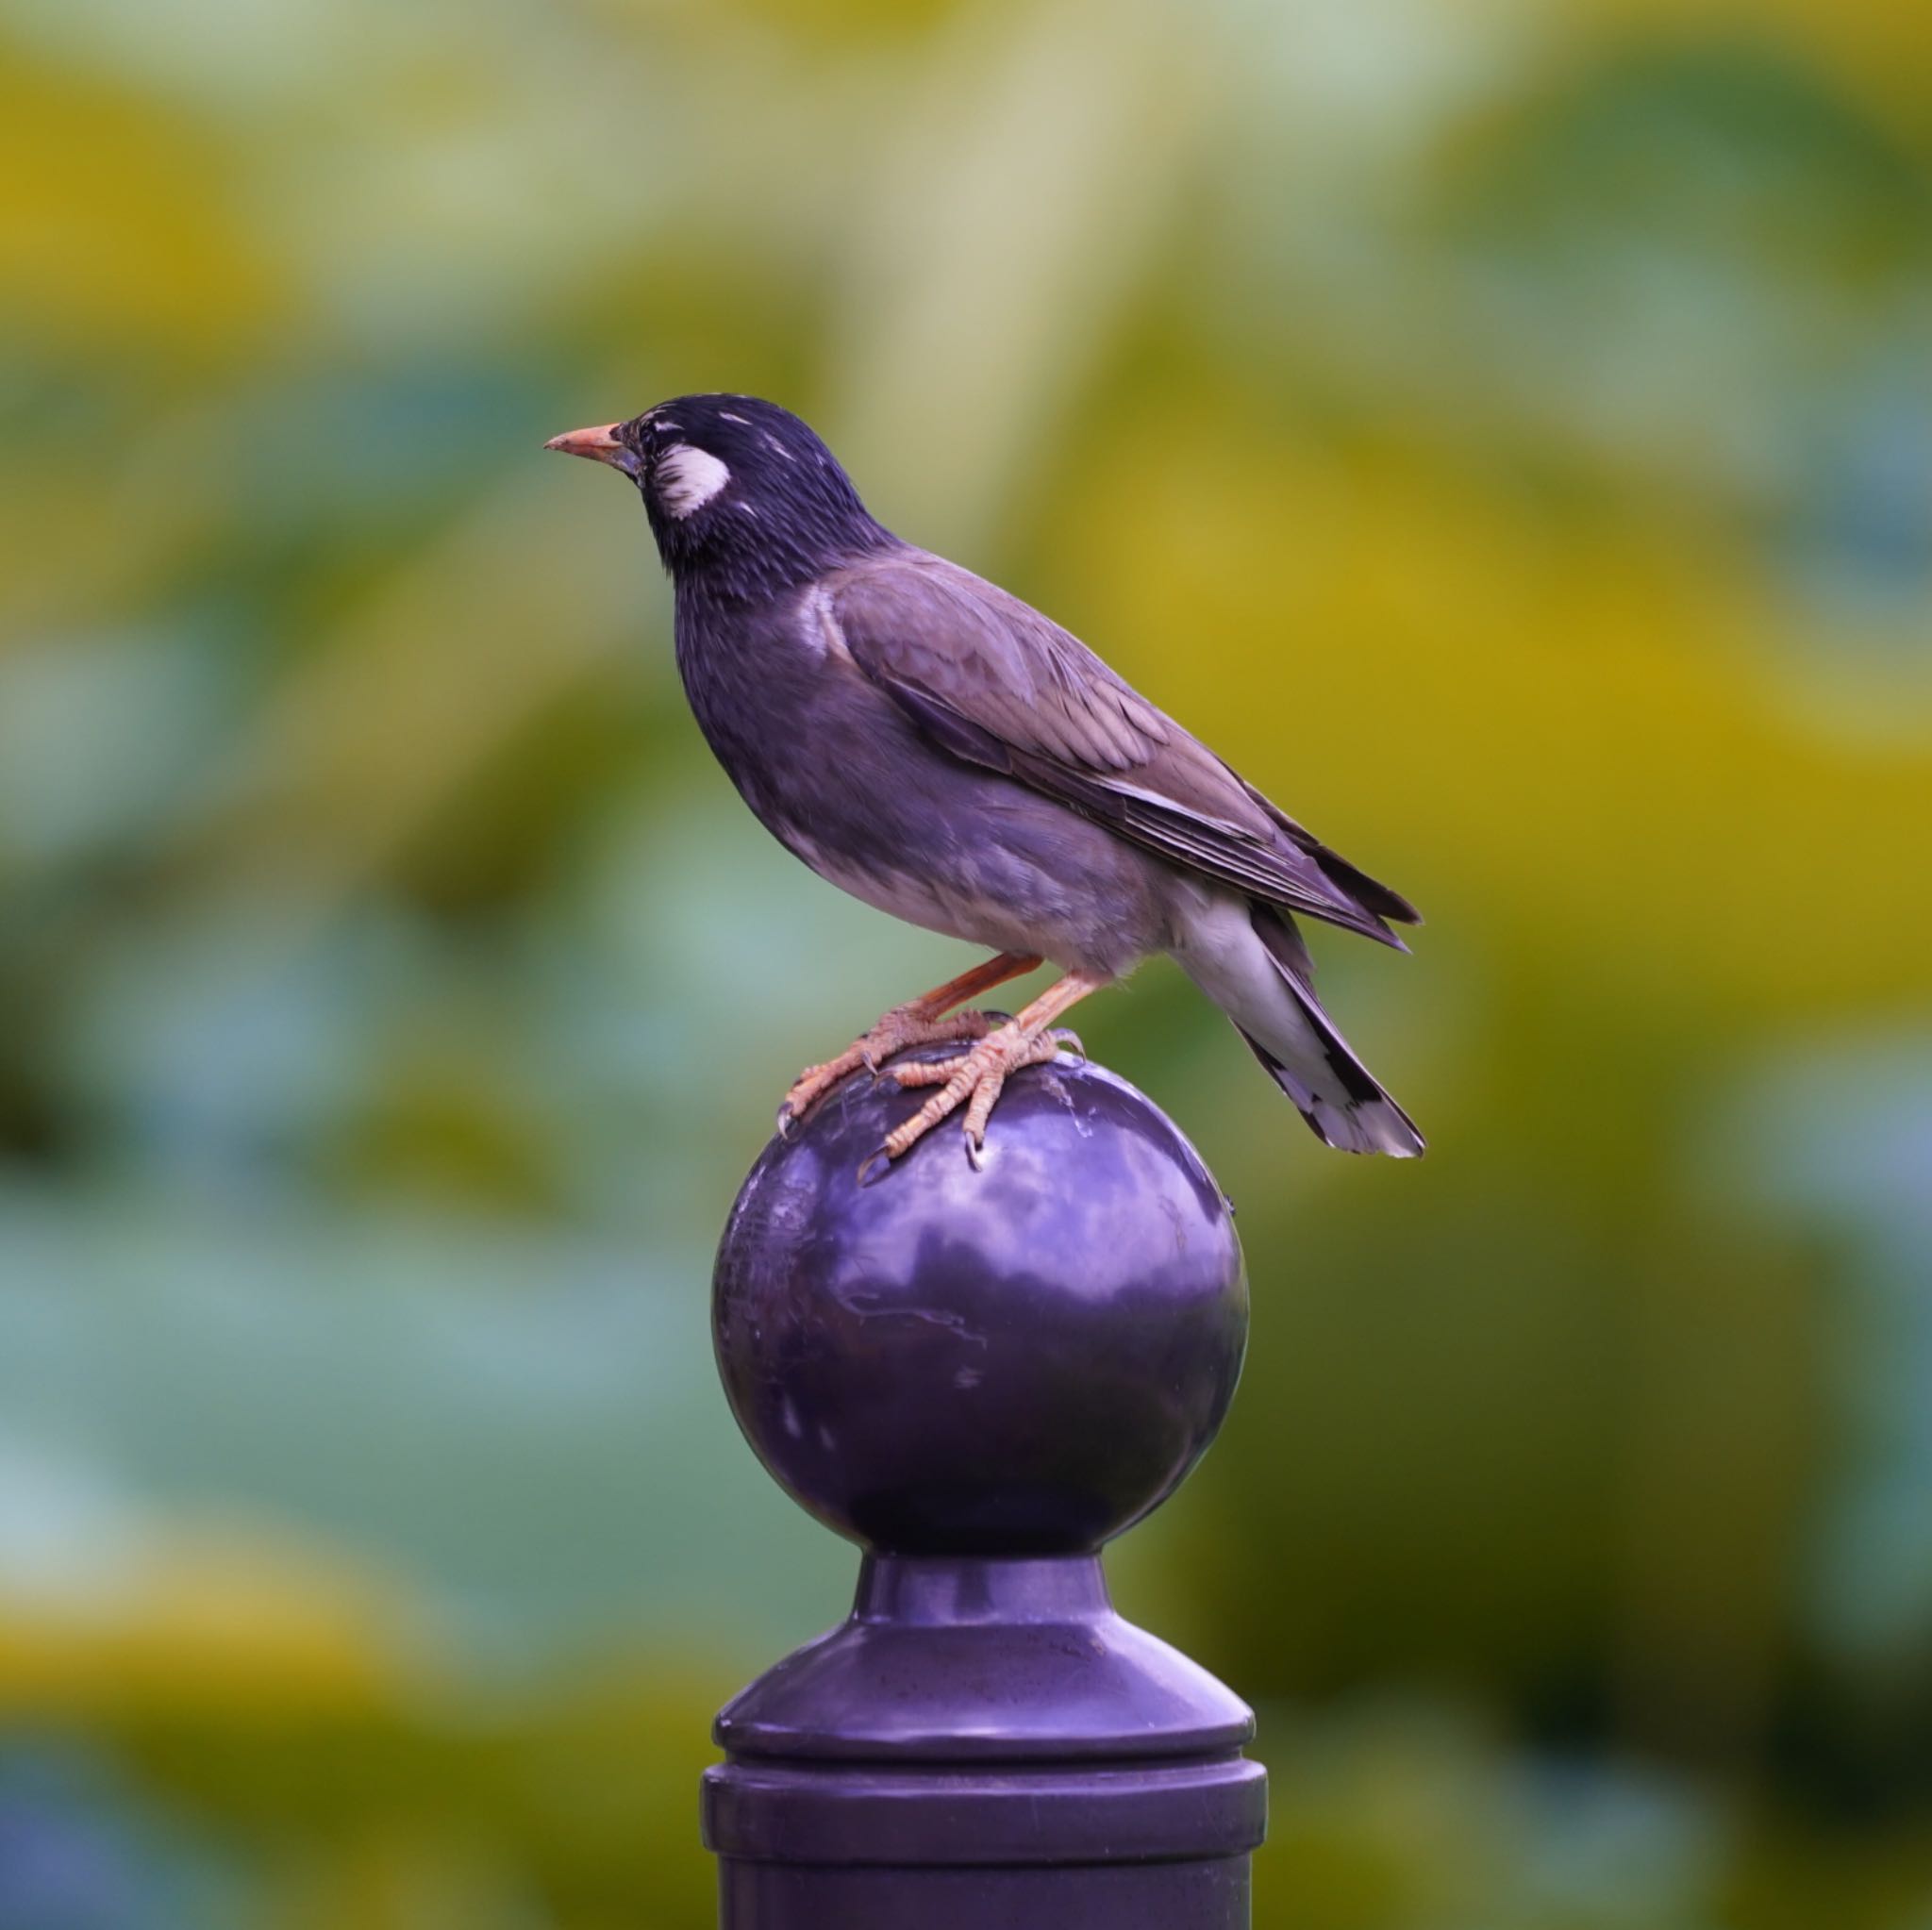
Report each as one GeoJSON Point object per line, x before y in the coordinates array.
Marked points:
{"type": "Point", "coordinates": [943, 751]}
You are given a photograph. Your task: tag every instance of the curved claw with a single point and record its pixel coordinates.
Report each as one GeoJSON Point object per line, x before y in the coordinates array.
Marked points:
{"type": "Point", "coordinates": [883, 1068]}
{"type": "Point", "coordinates": [786, 1119]}
{"type": "Point", "coordinates": [1070, 1040]}
{"type": "Point", "coordinates": [874, 1167]}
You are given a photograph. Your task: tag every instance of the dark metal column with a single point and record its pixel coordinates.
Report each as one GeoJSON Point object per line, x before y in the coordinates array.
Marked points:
{"type": "Point", "coordinates": [981, 1376]}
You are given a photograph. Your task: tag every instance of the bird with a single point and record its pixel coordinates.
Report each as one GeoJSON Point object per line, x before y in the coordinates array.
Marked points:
{"type": "Point", "coordinates": [946, 753]}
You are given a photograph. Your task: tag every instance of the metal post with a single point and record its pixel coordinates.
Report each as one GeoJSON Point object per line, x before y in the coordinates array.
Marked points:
{"type": "Point", "coordinates": [981, 1376]}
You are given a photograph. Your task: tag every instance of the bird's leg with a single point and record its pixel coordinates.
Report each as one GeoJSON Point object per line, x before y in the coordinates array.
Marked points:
{"type": "Point", "coordinates": [923, 1020]}
{"type": "Point", "coordinates": [975, 1077]}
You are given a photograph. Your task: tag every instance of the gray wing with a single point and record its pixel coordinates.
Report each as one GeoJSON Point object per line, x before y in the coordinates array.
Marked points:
{"type": "Point", "coordinates": [992, 681]}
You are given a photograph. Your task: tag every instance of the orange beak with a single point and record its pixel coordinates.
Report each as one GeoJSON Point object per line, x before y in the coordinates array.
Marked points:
{"type": "Point", "coordinates": [600, 444]}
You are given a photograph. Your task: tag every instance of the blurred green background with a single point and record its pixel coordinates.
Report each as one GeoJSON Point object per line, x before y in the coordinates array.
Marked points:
{"type": "Point", "coordinates": [1504, 431]}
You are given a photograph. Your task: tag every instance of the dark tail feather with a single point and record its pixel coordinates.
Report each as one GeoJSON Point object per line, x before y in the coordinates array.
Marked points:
{"type": "Point", "coordinates": [1371, 1122]}
{"type": "Point", "coordinates": [1341, 1100]}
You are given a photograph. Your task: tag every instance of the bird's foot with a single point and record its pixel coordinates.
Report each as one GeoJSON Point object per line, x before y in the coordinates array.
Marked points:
{"type": "Point", "coordinates": [974, 1080]}
{"type": "Point", "coordinates": [903, 1027]}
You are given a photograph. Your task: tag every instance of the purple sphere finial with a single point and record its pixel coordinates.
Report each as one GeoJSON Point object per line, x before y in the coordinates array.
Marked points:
{"type": "Point", "coordinates": [1021, 1359]}
{"type": "Point", "coordinates": [981, 1375]}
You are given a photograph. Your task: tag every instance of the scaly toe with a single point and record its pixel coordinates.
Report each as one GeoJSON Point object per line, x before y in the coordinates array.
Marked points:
{"type": "Point", "coordinates": [955, 1078]}
{"type": "Point", "coordinates": [974, 1080]}
{"type": "Point", "coordinates": [892, 1035]}
{"type": "Point", "coordinates": [812, 1085]}
{"type": "Point", "coordinates": [1040, 1051]}
{"type": "Point", "coordinates": [895, 1032]}
{"type": "Point", "coordinates": [927, 1071]}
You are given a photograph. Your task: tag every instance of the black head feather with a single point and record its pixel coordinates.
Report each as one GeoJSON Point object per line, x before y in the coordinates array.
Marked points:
{"type": "Point", "coordinates": [743, 498]}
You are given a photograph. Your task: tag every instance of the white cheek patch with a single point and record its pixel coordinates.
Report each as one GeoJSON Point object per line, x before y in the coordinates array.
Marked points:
{"type": "Point", "coordinates": [685, 480]}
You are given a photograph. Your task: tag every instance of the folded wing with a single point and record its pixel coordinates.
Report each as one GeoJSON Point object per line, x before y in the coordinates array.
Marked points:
{"type": "Point", "coordinates": [992, 681]}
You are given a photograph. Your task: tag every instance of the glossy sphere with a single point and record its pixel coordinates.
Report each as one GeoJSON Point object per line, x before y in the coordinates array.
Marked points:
{"type": "Point", "coordinates": [1016, 1360]}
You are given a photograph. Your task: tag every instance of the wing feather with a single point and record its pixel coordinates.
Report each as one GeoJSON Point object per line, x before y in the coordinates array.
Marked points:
{"type": "Point", "coordinates": [992, 682]}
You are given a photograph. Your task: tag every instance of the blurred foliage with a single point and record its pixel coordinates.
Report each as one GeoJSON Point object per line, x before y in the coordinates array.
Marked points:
{"type": "Point", "coordinates": [1507, 434]}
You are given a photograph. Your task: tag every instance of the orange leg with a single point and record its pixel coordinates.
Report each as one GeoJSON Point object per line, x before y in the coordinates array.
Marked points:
{"type": "Point", "coordinates": [974, 1080]}
{"type": "Point", "coordinates": [919, 1022]}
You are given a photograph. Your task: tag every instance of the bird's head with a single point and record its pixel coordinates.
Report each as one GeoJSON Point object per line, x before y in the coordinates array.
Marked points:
{"type": "Point", "coordinates": [738, 491]}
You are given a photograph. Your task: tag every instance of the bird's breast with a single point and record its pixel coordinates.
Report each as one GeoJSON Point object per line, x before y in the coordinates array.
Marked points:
{"type": "Point", "coordinates": [750, 673]}
{"type": "Point", "coordinates": [842, 777]}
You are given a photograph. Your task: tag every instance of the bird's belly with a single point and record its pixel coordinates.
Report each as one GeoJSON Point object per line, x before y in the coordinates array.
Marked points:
{"type": "Point", "coordinates": [996, 866]}
{"type": "Point", "coordinates": [928, 898]}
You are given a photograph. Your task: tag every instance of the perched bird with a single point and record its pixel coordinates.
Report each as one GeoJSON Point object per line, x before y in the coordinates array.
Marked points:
{"type": "Point", "coordinates": [943, 751]}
